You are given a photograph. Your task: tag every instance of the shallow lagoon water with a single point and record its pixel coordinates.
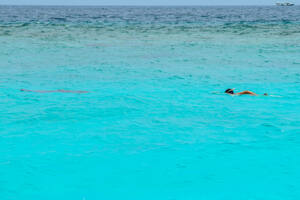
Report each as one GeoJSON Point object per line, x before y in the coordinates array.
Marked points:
{"type": "Point", "coordinates": [155, 123]}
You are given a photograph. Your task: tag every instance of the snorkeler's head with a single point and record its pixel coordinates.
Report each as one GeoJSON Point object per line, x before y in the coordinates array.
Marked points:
{"type": "Point", "coordinates": [229, 91]}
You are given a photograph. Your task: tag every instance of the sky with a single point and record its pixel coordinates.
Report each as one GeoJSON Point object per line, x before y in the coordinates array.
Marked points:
{"type": "Point", "coordinates": [143, 2]}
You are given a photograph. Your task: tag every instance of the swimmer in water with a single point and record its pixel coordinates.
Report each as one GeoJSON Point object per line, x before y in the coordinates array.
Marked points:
{"type": "Point", "coordinates": [52, 91]}
{"type": "Point", "coordinates": [231, 92]}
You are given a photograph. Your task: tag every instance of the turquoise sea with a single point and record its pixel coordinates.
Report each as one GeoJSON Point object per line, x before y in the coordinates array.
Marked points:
{"type": "Point", "coordinates": [156, 124]}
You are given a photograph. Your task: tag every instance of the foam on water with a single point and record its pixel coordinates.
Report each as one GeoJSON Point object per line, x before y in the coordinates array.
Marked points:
{"type": "Point", "coordinates": [155, 123]}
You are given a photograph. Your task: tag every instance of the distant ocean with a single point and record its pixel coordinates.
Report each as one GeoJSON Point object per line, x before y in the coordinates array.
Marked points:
{"type": "Point", "coordinates": [156, 124]}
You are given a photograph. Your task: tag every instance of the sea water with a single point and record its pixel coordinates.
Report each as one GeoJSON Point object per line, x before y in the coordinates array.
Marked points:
{"type": "Point", "coordinates": [156, 123]}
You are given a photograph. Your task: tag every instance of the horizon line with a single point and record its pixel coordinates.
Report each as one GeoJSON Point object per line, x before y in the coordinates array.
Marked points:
{"type": "Point", "coordinates": [135, 5]}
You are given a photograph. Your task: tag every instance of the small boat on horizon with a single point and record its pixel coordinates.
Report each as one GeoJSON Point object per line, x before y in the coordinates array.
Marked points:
{"type": "Point", "coordinates": [285, 4]}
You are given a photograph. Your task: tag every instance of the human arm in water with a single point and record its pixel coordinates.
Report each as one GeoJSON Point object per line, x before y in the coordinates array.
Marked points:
{"type": "Point", "coordinates": [52, 91]}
